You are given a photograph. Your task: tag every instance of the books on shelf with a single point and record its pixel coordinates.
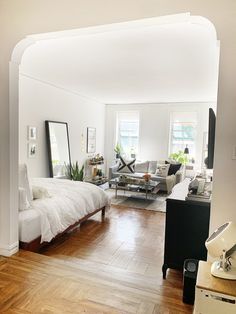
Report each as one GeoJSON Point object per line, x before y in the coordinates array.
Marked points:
{"type": "Point", "coordinates": [94, 163]}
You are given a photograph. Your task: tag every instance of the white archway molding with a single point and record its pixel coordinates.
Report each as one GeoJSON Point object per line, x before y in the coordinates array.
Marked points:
{"type": "Point", "coordinates": [9, 223]}
{"type": "Point", "coordinates": [10, 244]}
{"type": "Point", "coordinates": [136, 24]}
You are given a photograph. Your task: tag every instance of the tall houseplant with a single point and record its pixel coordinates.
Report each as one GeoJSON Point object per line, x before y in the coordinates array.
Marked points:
{"type": "Point", "coordinates": [74, 172]}
{"type": "Point", "coordinates": [180, 157]}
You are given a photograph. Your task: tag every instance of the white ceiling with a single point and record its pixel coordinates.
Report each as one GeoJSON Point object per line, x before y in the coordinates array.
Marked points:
{"type": "Point", "coordinates": [163, 63]}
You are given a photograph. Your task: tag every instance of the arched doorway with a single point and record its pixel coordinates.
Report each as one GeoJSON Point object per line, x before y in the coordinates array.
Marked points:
{"type": "Point", "coordinates": [14, 91]}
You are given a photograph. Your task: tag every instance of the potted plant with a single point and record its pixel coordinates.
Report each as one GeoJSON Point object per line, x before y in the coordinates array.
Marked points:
{"type": "Point", "coordinates": [74, 172]}
{"type": "Point", "coordinates": [180, 157]}
{"type": "Point", "coordinates": [117, 150]}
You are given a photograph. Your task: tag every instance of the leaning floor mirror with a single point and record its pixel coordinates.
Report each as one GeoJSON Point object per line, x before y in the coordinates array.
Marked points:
{"type": "Point", "coordinates": [58, 148]}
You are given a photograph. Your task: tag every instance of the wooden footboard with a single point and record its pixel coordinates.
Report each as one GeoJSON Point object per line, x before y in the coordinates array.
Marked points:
{"type": "Point", "coordinates": [35, 245]}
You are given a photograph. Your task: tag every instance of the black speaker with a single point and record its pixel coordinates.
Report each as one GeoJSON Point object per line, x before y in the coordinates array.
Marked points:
{"type": "Point", "coordinates": [189, 278]}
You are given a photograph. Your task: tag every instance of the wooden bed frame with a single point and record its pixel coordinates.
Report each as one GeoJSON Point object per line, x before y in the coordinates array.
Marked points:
{"type": "Point", "coordinates": [35, 245]}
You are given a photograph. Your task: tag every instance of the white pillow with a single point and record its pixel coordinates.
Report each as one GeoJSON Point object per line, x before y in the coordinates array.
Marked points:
{"type": "Point", "coordinates": [23, 201]}
{"type": "Point", "coordinates": [142, 167]}
{"type": "Point", "coordinates": [24, 181]}
{"type": "Point", "coordinates": [40, 192]}
{"type": "Point", "coordinates": [162, 170]}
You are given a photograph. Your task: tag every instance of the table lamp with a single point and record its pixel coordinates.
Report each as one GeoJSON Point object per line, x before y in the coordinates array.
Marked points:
{"type": "Point", "coordinates": [186, 150]}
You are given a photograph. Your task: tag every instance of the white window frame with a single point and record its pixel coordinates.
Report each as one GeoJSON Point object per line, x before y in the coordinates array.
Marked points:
{"type": "Point", "coordinates": [184, 121]}
{"type": "Point", "coordinates": [129, 116]}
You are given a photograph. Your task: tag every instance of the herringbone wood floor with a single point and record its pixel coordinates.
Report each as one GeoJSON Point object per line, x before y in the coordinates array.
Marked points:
{"type": "Point", "coordinates": [112, 266]}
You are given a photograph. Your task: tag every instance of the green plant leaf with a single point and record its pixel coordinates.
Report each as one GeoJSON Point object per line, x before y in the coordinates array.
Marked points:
{"type": "Point", "coordinates": [179, 157]}
{"type": "Point", "coordinates": [117, 148]}
{"type": "Point", "coordinates": [74, 172]}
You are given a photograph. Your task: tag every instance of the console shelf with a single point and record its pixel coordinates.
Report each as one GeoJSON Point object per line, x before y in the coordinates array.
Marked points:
{"type": "Point", "coordinates": [186, 229]}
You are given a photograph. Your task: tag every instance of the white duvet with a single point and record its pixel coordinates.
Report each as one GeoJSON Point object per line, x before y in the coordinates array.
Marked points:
{"type": "Point", "coordinates": [69, 201]}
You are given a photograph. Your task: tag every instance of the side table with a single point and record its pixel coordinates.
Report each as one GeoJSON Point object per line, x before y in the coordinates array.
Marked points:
{"type": "Point", "coordinates": [213, 295]}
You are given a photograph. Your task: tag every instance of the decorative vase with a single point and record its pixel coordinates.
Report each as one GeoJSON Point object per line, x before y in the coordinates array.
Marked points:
{"type": "Point", "coordinates": [146, 177]}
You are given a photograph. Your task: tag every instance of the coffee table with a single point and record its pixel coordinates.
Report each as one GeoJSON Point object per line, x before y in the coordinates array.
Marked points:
{"type": "Point", "coordinates": [149, 188]}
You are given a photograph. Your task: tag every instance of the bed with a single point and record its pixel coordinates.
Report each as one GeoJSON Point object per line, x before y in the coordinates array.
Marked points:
{"type": "Point", "coordinates": [62, 205]}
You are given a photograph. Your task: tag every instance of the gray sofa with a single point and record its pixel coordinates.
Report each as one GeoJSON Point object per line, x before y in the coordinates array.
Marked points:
{"type": "Point", "coordinates": [166, 183]}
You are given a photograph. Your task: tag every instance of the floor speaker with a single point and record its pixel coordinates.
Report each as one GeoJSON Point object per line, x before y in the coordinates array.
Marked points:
{"type": "Point", "coordinates": [189, 278]}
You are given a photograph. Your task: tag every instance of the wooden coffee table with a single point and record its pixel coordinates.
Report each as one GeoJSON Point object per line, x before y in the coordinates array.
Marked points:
{"type": "Point", "coordinates": [149, 188]}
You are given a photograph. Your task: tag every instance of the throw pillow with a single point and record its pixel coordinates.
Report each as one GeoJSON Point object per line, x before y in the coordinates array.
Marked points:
{"type": "Point", "coordinates": [23, 201]}
{"type": "Point", "coordinates": [40, 192]}
{"type": "Point", "coordinates": [162, 170]}
{"type": "Point", "coordinates": [142, 167]}
{"type": "Point", "coordinates": [24, 181]}
{"type": "Point", "coordinates": [173, 168]}
{"type": "Point", "coordinates": [126, 166]}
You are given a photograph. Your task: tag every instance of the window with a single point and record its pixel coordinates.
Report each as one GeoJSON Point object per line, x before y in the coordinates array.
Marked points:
{"type": "Point", "coordinates": [183, 132]}
{"type": "Point", "coordinates": [128, 132]}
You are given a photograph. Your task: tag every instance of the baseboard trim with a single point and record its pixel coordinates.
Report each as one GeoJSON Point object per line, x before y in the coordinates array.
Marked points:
{"type": "Point", "coordinates": [8, 250]}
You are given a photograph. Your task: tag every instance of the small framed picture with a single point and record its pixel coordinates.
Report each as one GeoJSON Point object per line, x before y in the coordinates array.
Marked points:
{"type": "Point", "coordinates": [32, 133]}
{"type": "Point", "coordinates": [91, 140]}
{"type": "Point", "coordinates": [32, 149]}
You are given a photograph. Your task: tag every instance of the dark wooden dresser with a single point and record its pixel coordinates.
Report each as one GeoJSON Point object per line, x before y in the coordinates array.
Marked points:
{"type": "Point", "coordinates": [186, 229]}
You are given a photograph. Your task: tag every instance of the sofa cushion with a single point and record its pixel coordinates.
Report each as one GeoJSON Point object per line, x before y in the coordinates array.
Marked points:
{"type": "Point", "coordinates": [152, 166]}
{"type": "Point", "coordinates": [155, 177]}
{"type": "Point", "coordinates": [162, 170]}
{"type": "Point", "coordinates": [142, 167]}
{"type": "Point", "coordinates": [126, 166]}
{"type": "Point", "coordinates": [173, 168]}
{"type": "Point", "coordinates": [161, 162]}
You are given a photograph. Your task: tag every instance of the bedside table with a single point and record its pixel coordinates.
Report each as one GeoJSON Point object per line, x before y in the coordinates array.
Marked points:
{"type": "Point", "coordinates": [213, 295]}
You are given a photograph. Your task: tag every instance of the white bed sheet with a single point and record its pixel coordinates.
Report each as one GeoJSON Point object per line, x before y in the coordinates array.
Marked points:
{"type": "Point", "coordinates": [69, 202]}
{"type": "Point", "coordinates": [29, 225]}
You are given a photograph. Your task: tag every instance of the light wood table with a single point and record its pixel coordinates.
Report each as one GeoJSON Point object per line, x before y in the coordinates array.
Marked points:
{"type": "Point", "coordinates": [213, 295]}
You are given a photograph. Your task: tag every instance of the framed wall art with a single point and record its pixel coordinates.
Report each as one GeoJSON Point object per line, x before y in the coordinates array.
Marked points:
{"type": "Point", "coordinates": [91, 140]}
{"type": "Point", "coordinates": [32, 133]}
{"type": "Point", "coordinates": [32, 149]}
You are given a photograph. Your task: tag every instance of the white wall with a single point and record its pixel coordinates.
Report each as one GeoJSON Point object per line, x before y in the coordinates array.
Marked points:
{"type": "Point", "coordinates": [69, 14]}
{"type": "Point", "coordinates": [39, 102]}
{"type": "Point", "coordinates": [155, 128]}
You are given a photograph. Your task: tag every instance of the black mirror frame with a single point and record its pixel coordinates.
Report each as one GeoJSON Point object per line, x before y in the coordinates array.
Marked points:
{"type": "Point", "coordinates": [47, 122]}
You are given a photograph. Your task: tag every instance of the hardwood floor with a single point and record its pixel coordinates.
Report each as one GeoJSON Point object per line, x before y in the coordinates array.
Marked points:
{"type": "Point", "coordinates": [112, 266]}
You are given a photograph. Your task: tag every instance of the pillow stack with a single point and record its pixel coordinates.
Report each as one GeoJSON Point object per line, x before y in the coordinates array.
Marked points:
{"type": "Point", "coordinates": [25, 193]}
{"type": "Point", "coordinates": [23, 200]}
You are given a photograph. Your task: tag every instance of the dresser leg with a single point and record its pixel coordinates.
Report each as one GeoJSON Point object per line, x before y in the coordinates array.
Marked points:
{"type": "Point", "coordinates": [164, 269]}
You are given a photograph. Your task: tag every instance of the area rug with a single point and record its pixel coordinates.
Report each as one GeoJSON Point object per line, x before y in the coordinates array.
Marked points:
{"type": "Point", "coordinates": [155, 202]}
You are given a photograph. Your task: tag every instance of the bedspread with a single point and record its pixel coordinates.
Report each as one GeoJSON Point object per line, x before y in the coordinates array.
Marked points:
{"type": "Point", "coordinates": [69, 201]}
